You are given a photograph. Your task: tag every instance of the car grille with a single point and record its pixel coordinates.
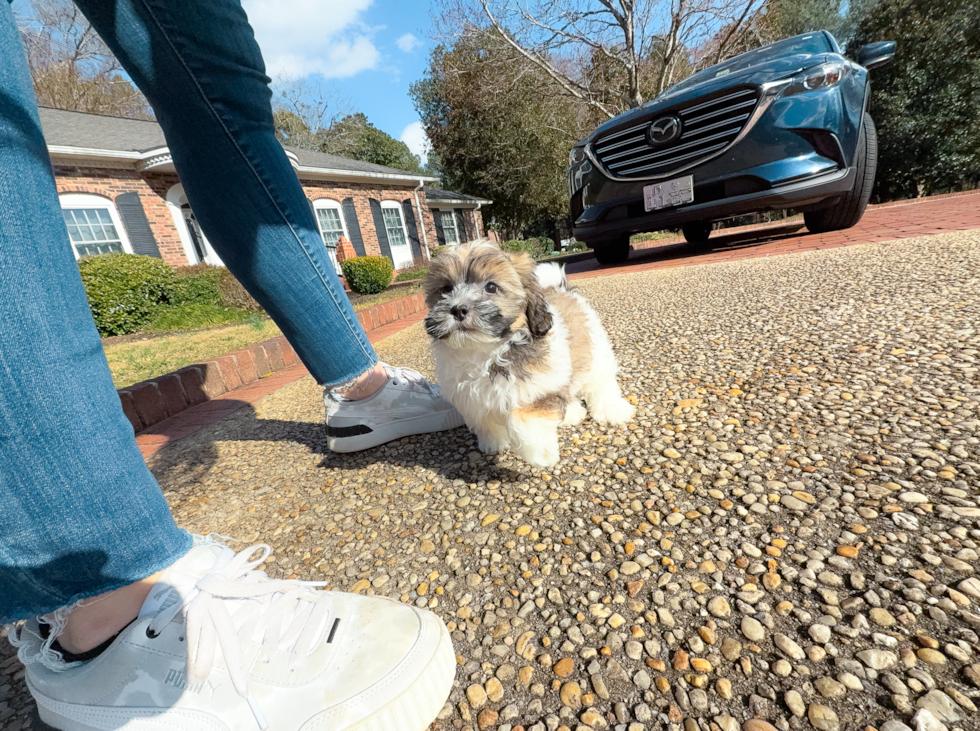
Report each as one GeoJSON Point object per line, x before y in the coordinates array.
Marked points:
{"type": "Point", "coordinates": [708, 126]}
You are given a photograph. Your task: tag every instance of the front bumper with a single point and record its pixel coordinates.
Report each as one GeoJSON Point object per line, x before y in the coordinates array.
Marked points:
{"type": "Point", "coordinates": [813, 190]}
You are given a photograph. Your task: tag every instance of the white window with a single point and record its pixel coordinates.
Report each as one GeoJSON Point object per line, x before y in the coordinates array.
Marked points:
{"type": "Point", "coordinates": [394, 219]}
{"type": "Point", "coordinates": [449, 231]}
{"type": "Point", "coordinates": [330, 220]}
{"type": "Point", "coordinates": [93, 225]}
{"type": "Point", "coordinates": [394, 223]}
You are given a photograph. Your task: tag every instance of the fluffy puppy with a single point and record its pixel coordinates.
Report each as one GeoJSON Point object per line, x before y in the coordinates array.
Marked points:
{"type": "Point", "coordinates": [516, 351]}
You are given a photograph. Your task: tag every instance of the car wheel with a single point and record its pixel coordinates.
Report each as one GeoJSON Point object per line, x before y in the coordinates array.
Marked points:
{"type": "Point", "coordinates": [849, 209]}
{"type": "Point", "coordinates": [614, 252]}
{"type": "Point", "coordinates": [697, 232]}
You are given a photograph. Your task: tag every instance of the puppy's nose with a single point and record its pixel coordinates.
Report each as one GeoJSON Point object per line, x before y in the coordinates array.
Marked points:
{"type": "Point", "coordinates": [459, 312]}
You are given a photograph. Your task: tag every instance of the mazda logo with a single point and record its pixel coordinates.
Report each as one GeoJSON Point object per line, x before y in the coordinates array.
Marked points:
{"type": "Point", "coordinates": [664, 130]}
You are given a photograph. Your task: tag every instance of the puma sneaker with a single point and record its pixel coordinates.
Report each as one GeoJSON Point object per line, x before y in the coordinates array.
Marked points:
{"type": "Point", "coordinates": [218, 646]}
{"type": "Point", "coordinates": [407, 404]}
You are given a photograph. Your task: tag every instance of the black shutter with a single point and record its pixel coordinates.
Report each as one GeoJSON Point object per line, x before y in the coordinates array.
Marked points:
{"type": "Point", "coordinates": [413, 229]}
{"type": "Point", "coordinates": [134, 219]}
{"type": "Point", "coordinates": [464, 235]}
{"type": "Point", "coordinates": [440, 232]}
{"type": "Point", "coordinates": [379, 226]}
{"type": "Point", "coordinates": [353, 226]}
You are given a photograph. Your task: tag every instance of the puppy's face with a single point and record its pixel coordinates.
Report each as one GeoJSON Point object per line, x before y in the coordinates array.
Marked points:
{"type": "Point", "coordinates": [480, 294]}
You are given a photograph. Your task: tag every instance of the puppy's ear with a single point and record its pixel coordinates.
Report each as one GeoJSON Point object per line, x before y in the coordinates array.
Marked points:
{"type": "Point", "coordinates": [539, 319]}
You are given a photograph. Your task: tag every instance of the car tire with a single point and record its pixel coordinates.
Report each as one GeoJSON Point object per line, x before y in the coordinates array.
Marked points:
{"type": "Point", "coordinates": [850, 208]}
{"type": "Point", "coordinates": [697, 232]}
{"type": "Point", "coordinates": [614, 252]}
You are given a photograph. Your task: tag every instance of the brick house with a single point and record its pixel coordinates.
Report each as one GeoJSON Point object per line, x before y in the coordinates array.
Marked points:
{"type": "Point", "coordinates": [119, 192]}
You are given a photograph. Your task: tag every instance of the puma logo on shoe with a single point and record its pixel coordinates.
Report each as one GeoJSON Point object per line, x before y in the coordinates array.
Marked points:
{"type": "Point", "coordinates": [178, 679]}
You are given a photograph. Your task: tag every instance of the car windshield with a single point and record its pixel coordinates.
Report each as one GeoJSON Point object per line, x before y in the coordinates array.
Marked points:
{"type": "Point", "coordinates": [809, 43]}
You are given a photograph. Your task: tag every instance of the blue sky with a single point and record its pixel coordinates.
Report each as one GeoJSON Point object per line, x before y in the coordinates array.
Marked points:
{"type": "Point", "coordinates": [369, 51]}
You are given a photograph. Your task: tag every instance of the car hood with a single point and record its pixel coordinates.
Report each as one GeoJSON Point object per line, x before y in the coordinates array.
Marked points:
{"type": "Point", "coordinates": [771, 69]}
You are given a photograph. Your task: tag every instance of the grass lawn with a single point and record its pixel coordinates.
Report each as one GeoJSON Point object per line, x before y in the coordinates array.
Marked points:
{"type": "Point", "coordinates": [138, 360]}
{"type": "Point", "coordinates": [179, 336]}
{"type": "Point", "coordinates": [360, 301]}
{"type": "Point", "coordinates": [652, 236]}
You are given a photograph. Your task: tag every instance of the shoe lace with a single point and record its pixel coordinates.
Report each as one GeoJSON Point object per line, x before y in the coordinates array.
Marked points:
{"type": "Point", "coordinates": [410, 376]}
{"type": "Point", "coordinates": [235, 603]}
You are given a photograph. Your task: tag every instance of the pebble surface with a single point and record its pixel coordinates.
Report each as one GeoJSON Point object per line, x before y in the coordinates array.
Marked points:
{"type": "Point", "coordinates": [785, 537]}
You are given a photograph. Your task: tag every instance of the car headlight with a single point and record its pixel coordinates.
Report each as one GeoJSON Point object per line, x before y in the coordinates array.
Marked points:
{"type": "Point", "coordinates": [818, 77]}
{"type": "Point", "coordinates": [576, 156]}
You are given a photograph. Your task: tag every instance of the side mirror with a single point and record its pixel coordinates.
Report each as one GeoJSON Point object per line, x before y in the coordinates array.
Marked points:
{"type": "Point", "coordinates": [874, 55]}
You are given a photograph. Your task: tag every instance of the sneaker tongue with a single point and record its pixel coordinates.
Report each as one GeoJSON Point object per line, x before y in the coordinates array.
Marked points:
{"type": "Point", "coordinates": [182, 576]}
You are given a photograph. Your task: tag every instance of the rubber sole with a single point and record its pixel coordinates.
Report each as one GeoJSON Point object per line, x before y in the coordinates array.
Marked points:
{"type": "Point", "coordinates": [414, 710]}
{"type": "Point", "coordinates": [418, 706]}
{"type": "Point", "coordinates": [393, 430]}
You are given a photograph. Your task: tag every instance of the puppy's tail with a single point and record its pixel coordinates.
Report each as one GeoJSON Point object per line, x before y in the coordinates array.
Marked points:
{"type": "Point", "coordinates": [551, 275]}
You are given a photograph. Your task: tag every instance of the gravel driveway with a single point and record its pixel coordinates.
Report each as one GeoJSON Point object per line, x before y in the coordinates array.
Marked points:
{"type": "Point", "coordinates": [786, 534]}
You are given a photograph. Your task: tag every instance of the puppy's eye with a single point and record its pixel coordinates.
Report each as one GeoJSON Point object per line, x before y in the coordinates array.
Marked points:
{"type": "Point", "coordinates": [446, 289]}
{"type": "Point", "coordinates": [491, 288]}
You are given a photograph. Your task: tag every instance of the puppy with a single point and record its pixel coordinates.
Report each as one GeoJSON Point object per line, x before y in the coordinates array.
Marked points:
{"type": "Point", "coordinates": [516, 351]}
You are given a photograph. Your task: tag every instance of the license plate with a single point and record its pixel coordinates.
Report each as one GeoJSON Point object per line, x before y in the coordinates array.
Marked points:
{"type": "Point", "coordinates": [668, 194]}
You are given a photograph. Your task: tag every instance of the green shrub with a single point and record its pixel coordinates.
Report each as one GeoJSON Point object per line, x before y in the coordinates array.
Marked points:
{"type": "Point", "coordinates": [123, 289]}
{"type": "Point", "coordinates": [438, 250]}
{"type": "Point", "coordinates": [234, 295]}
{"type": "Point", "coordinates": [412, 274]}
{"type": "Point", "coordinates": [368, 274]}
{"type": "Point", "coordinates": [199, 284]}
{"type": "Point", "coordinates": [538, 248]}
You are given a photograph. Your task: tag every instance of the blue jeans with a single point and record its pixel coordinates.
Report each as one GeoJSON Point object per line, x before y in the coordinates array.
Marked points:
{"type": "Point", "coordinates": [80, 514]}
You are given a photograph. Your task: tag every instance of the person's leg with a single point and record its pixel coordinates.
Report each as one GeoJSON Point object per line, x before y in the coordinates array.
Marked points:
{"type": "Point", "coordinates": [200, 68]}
{"type": "Point", "coordinates": [80, 514]}
{"type": "Point", "coordinates": [202, 71]}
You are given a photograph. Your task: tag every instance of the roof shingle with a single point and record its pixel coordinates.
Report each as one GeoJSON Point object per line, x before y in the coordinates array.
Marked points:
{"type": "Point", "coordinates": [97, 132]}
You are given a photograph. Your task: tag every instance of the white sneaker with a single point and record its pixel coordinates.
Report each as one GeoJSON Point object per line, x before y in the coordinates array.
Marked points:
{"type": "Point", "coordinates": [407, 404]}
{"type": "Point", "coordinates": [219, 646]}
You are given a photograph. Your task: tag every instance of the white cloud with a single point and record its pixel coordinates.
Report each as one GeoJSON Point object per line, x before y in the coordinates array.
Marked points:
{"type": "Point", "coordinates": [302, 37]}
{"type": "Point", "coordinates": [414, 136]}
{"type": "Point", "coordinates": [408, 43]}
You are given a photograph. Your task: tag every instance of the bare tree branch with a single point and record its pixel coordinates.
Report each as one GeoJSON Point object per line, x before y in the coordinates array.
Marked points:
{"type": "Point", "coordinates": [71, 66]}
{"type": "Point", "coordinates": [610, 55]}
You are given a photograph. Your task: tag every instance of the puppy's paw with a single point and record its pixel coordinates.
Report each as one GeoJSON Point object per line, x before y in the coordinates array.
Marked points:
{"type": "Point", "coordinates": [541, 452]}
{"type": "Point", "coordinates": [574, 414]}
{"type": "Point", "coordinates": [615, 410]}
{"type": "Point", "coordinates": [491, 445]}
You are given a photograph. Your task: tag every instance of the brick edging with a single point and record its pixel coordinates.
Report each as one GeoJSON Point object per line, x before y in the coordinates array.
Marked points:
{"type": "Point", "coordinates": [376, 316]}
{"type": "Point", "coordinates": [150, 402]}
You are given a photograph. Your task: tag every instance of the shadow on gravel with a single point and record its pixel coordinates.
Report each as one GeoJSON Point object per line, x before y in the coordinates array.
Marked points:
{"type": "Point", "coordinates": [718, 242]}
{"type": "Point", "coordinates": [452, 454]}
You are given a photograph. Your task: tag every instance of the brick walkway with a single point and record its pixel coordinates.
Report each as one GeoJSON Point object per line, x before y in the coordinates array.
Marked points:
{"type": "Point", "coordinates": [887, 222]}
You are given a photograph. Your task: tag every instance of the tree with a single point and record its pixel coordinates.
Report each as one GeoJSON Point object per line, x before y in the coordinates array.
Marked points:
{"type": "Point", "coordinates": [840, 17]}
{"type": "Point", "coordinates": [303, 110]}
{"type": "Point", "coordinates": [71, 66]}
{"type": "Point", "coordinates": [313, 117]}
{"type": "Point", "coordinates": [925, 102]}
{"type": "Point", "coordinates": [642, 45]}
{"type": "Point", "coordinates": [500, 128]}
{"type": "Point", "coordinates": [355, 137]}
